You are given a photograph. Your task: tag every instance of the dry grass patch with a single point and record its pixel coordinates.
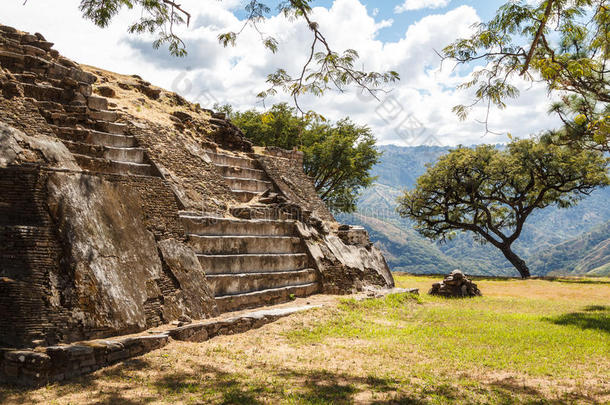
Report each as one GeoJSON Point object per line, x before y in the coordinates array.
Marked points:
{"type": "Point", "coordinates": [505, 347]}
{"type": "Point", "coordinates": [129, 99]}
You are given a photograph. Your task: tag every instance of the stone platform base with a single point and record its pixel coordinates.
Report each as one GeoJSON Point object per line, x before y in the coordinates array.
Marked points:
{"type": "Point", "coordinates": [43, 365]}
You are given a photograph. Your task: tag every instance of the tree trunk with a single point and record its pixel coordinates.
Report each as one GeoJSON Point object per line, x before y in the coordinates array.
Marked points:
{"type": "Point", "coordinates": [517, 262]}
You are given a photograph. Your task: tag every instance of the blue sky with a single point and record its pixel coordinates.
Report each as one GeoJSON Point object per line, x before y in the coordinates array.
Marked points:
{"type": "Point", "coordinates": [384, 9]}
{"type": "Point", "coordinates": [485, 9]}
{"type": "Point", "coordinates": [416, 111]}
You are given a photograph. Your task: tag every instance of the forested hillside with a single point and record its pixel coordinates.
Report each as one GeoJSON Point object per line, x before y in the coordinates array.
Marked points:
{"type": "Point", "coordinates": [554, 241]}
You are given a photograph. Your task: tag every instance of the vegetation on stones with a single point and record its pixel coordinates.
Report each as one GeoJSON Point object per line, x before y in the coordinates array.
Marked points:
{"type": "Point", "coordinates": [563, 43]}
{"type": "Point", "coordinates": [492, 192]}
{"type": "Point", "coordinates": [324, 69]}
{"type": "Point", "coordinates": [337, 156]}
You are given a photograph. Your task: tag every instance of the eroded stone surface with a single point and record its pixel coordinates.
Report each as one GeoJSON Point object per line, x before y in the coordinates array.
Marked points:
{"type": "Point", "coordinates": [346, 268]}
{"type": "Point", "coordinates": [110, 251]}
{"type": "Point", "coordinates": [194, 298]}
{"type": "Point", "coordinates": [41, 148]}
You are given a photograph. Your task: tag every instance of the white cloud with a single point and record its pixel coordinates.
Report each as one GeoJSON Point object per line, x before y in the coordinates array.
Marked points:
{"type": "Point", "coordinates": [409, 5]}
{"type": "Point", "coordinates": [211, 73]}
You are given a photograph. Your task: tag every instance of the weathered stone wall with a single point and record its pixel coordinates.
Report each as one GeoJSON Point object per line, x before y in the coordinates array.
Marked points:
{"type": "Point", "coordinates": [346, 264]}
{"type": "Point", "coordinates": [56, 86]}
{"type": "Point", "coordinates": [294, 154]}
{"type": "Point", "coordinates": [180, 159]}
{"type": "Point", "coordinates": [29, 260]}
{"type": "Point", "coordinates": [293, 183]}
{"type": "Point", "coordinates": [79, 257]}
{"type": "Point", "coordinates": [23, 114]}
{"type": "Point", "coordinates": [58, 363]}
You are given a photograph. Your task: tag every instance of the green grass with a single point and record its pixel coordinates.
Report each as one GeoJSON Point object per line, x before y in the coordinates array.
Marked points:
{"type": "Point", "coordinates": [530, 342]}
{"type": "Point", "coordinates": [499, 334]}
{"type": "Point", "coordinates": [534, 337]}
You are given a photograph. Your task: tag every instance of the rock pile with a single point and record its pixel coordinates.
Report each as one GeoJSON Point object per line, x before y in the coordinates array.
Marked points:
{"type": "Point", "coordinates": [455, 284]}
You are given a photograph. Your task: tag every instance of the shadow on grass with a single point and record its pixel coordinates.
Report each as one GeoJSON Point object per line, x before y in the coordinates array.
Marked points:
{"type": "Point", "coordinates": [123, 384]}
{"type": "Point", "coordinates": [575, 280]}
{"type": "Point", "coordinates": [209, 384]}
{"type": "Point", "coordinates": [592, 317]}
{"type": "Point", "coordinates": [558, 279]}
{"type": "Point", "coordinates": [593, 308]}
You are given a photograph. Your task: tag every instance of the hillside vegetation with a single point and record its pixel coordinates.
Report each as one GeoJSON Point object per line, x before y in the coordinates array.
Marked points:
{"type": "Point", "coordinates": [532, 341]}
{"type": "Point", "coordinates": [550, 233]}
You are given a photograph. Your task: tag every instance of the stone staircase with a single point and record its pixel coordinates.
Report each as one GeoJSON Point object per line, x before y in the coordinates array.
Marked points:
{"type": "Point", "coordinates": [105, 147]}
{"type": "Point", "coordinates": [250, 263]}
{"type": "Point", "coordinates": [62, 91]}
{"type": "Point", "coordinates": [242, 175]}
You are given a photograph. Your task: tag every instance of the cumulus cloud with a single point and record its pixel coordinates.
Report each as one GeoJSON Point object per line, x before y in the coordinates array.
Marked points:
{"type": "Point", "coordinates": [417, 110]}
{"type": "Point", "coordinates": [410, 5]}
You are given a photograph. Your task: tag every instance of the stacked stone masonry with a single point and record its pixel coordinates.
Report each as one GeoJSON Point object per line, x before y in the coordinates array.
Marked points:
{"type": "Point", "coordinates": [112, 224]}
{"type": "Point", "coordinates": [58, 363]}
{"type": "Point", "coordinates": [63, 94]}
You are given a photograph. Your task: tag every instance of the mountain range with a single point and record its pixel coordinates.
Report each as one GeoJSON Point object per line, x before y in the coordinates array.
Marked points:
{"type": "Point", "coordinates": [574, 241]}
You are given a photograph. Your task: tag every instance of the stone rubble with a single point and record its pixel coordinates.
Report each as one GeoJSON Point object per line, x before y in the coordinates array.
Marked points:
{"type": "Point", "coordinates": [455, 285]}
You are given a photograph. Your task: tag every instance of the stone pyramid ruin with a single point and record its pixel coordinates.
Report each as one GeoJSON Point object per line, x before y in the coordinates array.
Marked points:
{"type": "Point", "coordinates": [124, 207]}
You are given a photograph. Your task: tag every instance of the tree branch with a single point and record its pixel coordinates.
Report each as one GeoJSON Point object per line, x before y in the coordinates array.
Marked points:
{"type": "Point", "coordinates": [539, 32]}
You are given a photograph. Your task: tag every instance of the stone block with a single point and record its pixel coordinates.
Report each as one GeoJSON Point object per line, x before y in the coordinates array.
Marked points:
{"type": "Point", "coordinates": [67, 62]}
{"type": "Point", "coordinates": [77, 351]}
{"type": "Point", "coordinates": [85, 89]}
{"type": "Point", "coordinates": [118, 355]}
{"type": "Point", "coordinates": [97, 103]}
{"type": "Point", "coordinates": [191, 333]}
{"type": "Point", "coordinates": [11, 370]}
{"type": "Point", "coordinates": [33, 50]}
{"type": "Point", "coordinates": [106, 91]}
{"type": "Point", "coordinates": [82, 76]}
{"type": "Point", "coordinates": [88, 361]}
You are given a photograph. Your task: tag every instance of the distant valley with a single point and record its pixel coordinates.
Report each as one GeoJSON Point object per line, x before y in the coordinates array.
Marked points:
{"type": "Point", "coordinates": [555, 241]}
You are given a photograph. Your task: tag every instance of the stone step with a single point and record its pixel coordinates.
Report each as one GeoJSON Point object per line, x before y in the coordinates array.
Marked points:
{"type": "Point", "coordinates": [230, 160]}
{"type": "Point", "coordinates": [245, 244]}
{"type": "Point", "coordinates": [80, 148]}
{"type": "Point", "coordinates": [96, 137]}
{"type": "Point", "coordinates": [109, 166]}
{"type": "Point", "coordinates": [104, 115]}
{"type": "Point", "coordinates": [200, 225]}
{"type": "Point", "coordinates": [45, 92]}
{"type": "Point", "coordinates": [252, 263]}
{"type": "Point", "coordinates": [111, 140]}
{"type": "Point", "coordinates": [256, 186]}
{"type": "Point", "coordinates": [244, 196]}
{"type": "Point", "coordinates": [227, 303]}
{"type": "Point", "coordinates": [263, 211]}
{"type": "Point", "coordinates": [242, 172]}
{"type": "Point", "coordinates": [111, 127]}
{"type": "Point", "coordinates": [133, 155]}
{"type": "Point", "coordinates": [97, 103]}
{"type": "Point", "coordinates": [225, 284]}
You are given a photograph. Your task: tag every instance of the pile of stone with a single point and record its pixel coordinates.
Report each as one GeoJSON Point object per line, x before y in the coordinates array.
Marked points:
{"type": "Point", "coordinates": [455, 284]}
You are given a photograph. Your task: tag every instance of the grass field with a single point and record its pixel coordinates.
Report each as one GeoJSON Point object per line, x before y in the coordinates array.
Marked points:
{"type": "Point", "coordinates": [534, 341]}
